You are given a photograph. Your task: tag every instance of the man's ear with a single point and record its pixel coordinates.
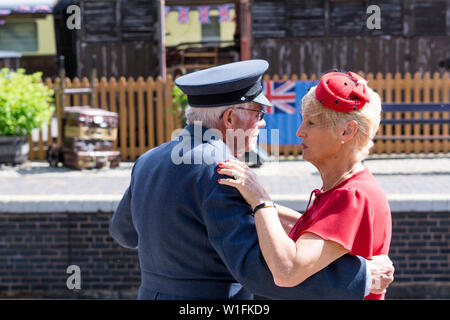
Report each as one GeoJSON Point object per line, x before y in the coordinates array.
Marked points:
{"type": "Point", "coordinates": [228, 118]}
{"type": "Point", "coordinates": [350, 129]}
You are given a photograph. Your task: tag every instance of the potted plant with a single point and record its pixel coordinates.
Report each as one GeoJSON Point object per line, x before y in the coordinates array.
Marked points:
{"type": "Point", "coordinates": [25, 104]}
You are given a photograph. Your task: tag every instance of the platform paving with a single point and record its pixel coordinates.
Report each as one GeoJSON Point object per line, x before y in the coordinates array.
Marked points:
{"type": "Point", "coordinates": [411, 184]}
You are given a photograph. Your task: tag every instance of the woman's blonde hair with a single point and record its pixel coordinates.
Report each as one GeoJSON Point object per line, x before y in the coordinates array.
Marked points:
{"type": "Point", "coordinates": [367, 118]}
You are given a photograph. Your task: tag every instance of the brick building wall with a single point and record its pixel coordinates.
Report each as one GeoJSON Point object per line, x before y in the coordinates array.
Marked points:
{"type": "Point", "coordinates": [36, 249]}
{"type": "Point", "coordinates": [420, 250]}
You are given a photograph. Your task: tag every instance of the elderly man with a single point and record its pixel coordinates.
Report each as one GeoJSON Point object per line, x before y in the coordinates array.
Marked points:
{"type": "Point", "coordinates": [196, 239]}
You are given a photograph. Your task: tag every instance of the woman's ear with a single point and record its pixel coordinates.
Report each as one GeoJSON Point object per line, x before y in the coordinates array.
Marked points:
{"type": "Point", "coordinates": [350, 129]}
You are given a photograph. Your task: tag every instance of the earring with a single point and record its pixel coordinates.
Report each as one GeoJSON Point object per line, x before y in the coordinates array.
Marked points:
{"type": "Point", "coordinates": [342, 141]}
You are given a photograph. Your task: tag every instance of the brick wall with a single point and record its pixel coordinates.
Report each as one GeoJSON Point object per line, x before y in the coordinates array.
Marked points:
{"type": "Point", "coordinates": [36, 249]}
{"type": "Point", "coordinates": [420, 250]}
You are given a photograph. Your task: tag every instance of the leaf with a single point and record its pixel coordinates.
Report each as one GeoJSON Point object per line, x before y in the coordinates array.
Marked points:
{"type": "Point", "coordinates": [25, 102]}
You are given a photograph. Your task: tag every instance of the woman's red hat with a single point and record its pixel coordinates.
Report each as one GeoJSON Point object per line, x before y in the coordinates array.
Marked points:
{"type": "Point", "coordinates": [342, 92]}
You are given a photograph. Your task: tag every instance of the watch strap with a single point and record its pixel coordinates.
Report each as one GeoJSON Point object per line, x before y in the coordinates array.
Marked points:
{"type": "Point", "coordinates": [264, 204]}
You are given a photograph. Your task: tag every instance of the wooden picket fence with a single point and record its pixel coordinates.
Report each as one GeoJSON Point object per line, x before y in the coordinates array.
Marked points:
{"type": "Point", "coordinates": [144, 108]}
{"type": "Point", "coordinates": [146, 118]}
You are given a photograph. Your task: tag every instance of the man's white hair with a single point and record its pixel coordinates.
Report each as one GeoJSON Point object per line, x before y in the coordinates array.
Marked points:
{"type": "Point", "coordinates": [209, 117]}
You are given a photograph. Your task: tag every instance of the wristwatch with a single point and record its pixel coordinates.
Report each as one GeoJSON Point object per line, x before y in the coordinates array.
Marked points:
{"type": "Point", "coordinates": [264, 204]}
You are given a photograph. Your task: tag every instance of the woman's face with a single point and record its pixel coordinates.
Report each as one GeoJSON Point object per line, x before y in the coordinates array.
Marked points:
{"type": "Point", "coordinates": [319, 142]}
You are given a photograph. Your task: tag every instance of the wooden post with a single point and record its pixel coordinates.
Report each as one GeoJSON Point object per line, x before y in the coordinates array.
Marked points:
{"type": "Point", "coordinates": [123, 119]}
{"type": "Point", "coordinates": [389, 127]}
{"type": "Point", "coordinates": [60, 105]}
{"type": "Point", "coordinates": [161, 39]}
{"type": "Point", "coordinates": [94, 102]}
{"type": "Point", "coordinates": [49, 83]}
{"type": "Point", "coordinates": [86, 98]}
{"type": "Point", "coordinates": [159, 112]}
{"type": "Point", "coordinates": [150, 89]}
{"type": "Point", "coordinates": [112, 89]}
{"type": "Point", "coordinates": [418, 145]}
{"type": "Point", "coordinates": [246, 29]}
{"type": "Point", "coordinates": [445, 98]}
{"type": "Point", "coordinates": [76, 97]}
{"type": "Point", "coordinates": [131, 118]}
{"type": "Point", "coordinates": [169, 115]}
{"type": "Point", "coordinates": [408, 126]}
{"type": "Point", "coordinates": [141, 115]}
{"type": "Point", "coordinates": [426, 115]}
{"type": "Point", "coordinates": [102, 89]}
{"type": "Point", "coordinates": [437, 85]}
{"type": "Point", "coordinates": [398, 86]}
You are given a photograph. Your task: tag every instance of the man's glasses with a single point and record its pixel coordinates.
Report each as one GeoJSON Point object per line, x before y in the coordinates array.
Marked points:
{"type": "Point", "coordinates": [261, 113]}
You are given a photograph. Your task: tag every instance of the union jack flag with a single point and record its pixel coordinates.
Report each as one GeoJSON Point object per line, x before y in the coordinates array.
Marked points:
{"type": "Point", "coordinates": [281, 95]}
{"type": "Point", "coordinates": [183, 14]}
{"type": "Point", "coordinates": [42, 8]}
{"type": "Point", "coordinates": [5, 12]}
{"type": "Point", "coordinates": [203, 14]}
{"type": "Point", "coordinates": [224, 15]}
{"type": "Point", "coordinates": [22, 9]}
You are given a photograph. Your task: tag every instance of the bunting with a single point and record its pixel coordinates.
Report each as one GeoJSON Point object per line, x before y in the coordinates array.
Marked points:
{"type": "Point", "coordinates": [183, 15]}
{"type": "Point", "coordinates": [42, 9]}
{"type": "Point", "coordinates": [26, 9]}
{"type": "Point", "coordinates": [203, 14]}
{"type": "Point", "coordinates": [166, 10]}
{"type": "Point", "coordinates": [224, 14]}
{"type": "Point", "coordinates": [5, 12]}
{"type": "Point", "coordinates": [23, 9]}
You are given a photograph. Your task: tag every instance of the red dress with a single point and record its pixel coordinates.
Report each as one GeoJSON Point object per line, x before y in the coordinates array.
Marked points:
{"type": "Point", "coordinates": [354, 213]}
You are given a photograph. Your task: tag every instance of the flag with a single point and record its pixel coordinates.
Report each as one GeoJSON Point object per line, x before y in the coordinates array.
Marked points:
{"type": "Point", "coordinates": [224, 15]}
{"type": "Point", "coordinates": [183, 15]}
{"type": "Point", "coordinates": [281, 95]}
{"type": "Point", "coordinates": [203, 14]}
{"type": "Point", "coordinates": [42, 9]}
{"type": "Point", "coordinates": [22, 9]}
{"type": "Point", "coordinates": [285, 115]}
{"type": "Point", "coordinates": [5, 12]}
{"type": "Point", "coordinates": [166, 10]}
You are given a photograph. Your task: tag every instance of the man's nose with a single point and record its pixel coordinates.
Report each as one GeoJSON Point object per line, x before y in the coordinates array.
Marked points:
{"type": "Point", "coordinates": [261, 123]}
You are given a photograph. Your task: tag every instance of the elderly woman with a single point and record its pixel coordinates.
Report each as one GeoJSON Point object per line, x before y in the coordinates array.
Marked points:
{"type": "Point", "coordinates": [350, 213]}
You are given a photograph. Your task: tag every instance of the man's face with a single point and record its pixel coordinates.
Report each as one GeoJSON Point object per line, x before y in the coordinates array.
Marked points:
{"type": "Point", "coordinates": [246, 128]}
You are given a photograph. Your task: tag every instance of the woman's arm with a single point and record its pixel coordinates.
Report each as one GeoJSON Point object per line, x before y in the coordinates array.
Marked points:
{"type": "Point", "coordinates": [288, 217]}
{"type": "Point", "coordinates": [292, 262]}
{"type": "Point", "coordinates": [289, 262]}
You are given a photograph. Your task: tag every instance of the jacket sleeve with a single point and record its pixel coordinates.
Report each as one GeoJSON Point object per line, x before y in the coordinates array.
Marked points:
{"type": "Point", "coordinates": [232, 233]}
{"type": "Point", "coordinates": [121, 226]}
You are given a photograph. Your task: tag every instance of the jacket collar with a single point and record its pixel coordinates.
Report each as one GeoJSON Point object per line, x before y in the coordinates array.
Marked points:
{"type": "Point", "coordinates": [200, 134]}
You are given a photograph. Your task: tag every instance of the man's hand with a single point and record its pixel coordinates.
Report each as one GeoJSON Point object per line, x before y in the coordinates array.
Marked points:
{"type": "Point", "coordinates": [382, 272]}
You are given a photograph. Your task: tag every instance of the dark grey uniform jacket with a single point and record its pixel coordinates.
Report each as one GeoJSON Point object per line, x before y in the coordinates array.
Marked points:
{"type": "Point", "coordinates": [196, 238]}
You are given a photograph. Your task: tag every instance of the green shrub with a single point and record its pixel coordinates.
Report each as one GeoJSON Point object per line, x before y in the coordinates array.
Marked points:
{"type": "Point", "coordinates": [179, 103]}
{"type": "Point", "coordinates": [25, 102]}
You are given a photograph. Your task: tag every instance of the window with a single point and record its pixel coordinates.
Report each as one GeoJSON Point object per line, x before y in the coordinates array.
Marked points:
{"type": "Point", "coordinates": [211, 31]}
{"type": "Point", "coordinates": [19, 36]}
